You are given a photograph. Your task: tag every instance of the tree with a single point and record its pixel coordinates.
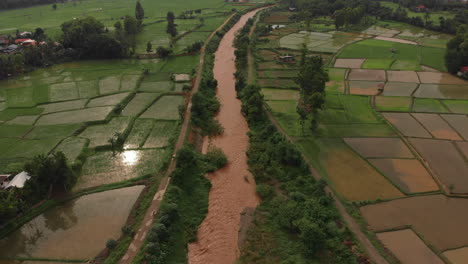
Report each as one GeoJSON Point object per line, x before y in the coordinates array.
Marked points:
{"type": "Point", "coordinates": [456, 55]}
{"type": "Point", "coordinates": [171, 26]}
{"type": "Point", "coordinates": [427, 16]}
{"type": "Point", "coordinates": [163, 52]}
{"type": "Point", "coordinates": [139, 12]}
{"type": "Point", "coordinates": [49, 172]}
{"type": "Point", "coordinates": [149, 47]}
{"type": "Point", "coordinates": [311, 79]}
{"type": "Point", "coordinates": [39, 34]}
{"type": "Point", "coordinates": [54, 6]}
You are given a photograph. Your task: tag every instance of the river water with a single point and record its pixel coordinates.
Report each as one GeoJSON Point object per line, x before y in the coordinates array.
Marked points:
{"type": "Point", "coordinates": [233, 187]}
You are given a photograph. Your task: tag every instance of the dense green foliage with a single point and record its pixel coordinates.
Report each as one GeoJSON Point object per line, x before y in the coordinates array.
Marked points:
{"type": "Point", "coordinates": [48, 174]}
{"type": "Point", "coordinates": [348, 16]}
{"type": "Point", "coordinates": [457, 51]}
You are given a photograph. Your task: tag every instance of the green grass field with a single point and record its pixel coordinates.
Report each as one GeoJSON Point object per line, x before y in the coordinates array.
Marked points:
{"type": "Point", "coordinates": [429, 105]}
{"type": "Point", "coordinates": [383, 64]}
{"type": "Point", "coordinates": [391, 103]}
{"type": "Point", "coordinates": [457, 106]}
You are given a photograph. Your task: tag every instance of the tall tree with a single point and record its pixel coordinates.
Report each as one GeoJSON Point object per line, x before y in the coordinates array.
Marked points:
{"type": "Point", "coordinates": [171, 26]}
{"type": "Point", "coordinates": [139, 13]}
{"type": "Point", "coordinates": [311, 79]}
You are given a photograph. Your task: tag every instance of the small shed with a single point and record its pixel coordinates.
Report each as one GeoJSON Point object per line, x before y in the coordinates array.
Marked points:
{"type": "Point", "coordinates": [287, 59]}
{"type": "Point", "coordinates": [19, 180]}
{"type": "Point", "coordinates": [420, 8]}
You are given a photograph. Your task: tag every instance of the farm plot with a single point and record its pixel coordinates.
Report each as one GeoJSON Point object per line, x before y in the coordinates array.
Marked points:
{"type": "Point", "coordinates": [437, 126]}
{"type": "Point", "coordinates": [280, 94]}
{"type": "Point", "coordinates": [161, 134]}
{"type": "Point", "coordinates": [449, 166]}
{"type": "Point", "coordinates": [113, 99]}
{"type": "Point", "coordinates": [379, 147]}
{"type": "Point", "coordinates": [350, 175]}
{"type": "Point", "coordinates": [71, 147]}
{"type": "Point", "coordinates": [358, 109]}
{"type": "Point", "coordinates": [459, 123]}
{"type": "Point", "coordinates": [407, 125]}
{"type": "Point", "coordinates": [457, 106]}
{"type": "Point", "coordinates": [457, 256]}
{"type": "Point", "coordinates": [402, 76]}
{"type": "Point", "coordinates": [87, 89]}
{"type": "Point", "coordinates": [382, 64]}
{"type": "Point", "coordinates": [106, 168]}
{"type": "Point", "coordinates": [367, 75]}
{"type": "Point", "coordinates": [13, 131]}
{"type": "Point", "coordinates": [442, 91]}
{"type": "Point", "coordinates": [23, 120]}
{"type": "Point", "coordinates": [380, 31]}
{"type": "Point", "coordinates": [277, 74]}
{"type": "Point", "coordinates": [53, 131]}
{"type": "Point", "coordinates": [439, 219]}
{"type": "Point", "coordinates": [440, 78]}
{"type": "Point", "coordinates": [365, 87]}
{"type": "Point", "coordinates": [379, 49]}
{"type": "Point", "coordinates": [463, 147]}
{"type": "Point", "coordinates": [279, 83]}
{"type": "Point", "coordinates": [76, 116]}
{"type": "Point", "coordinates": [139, 103]}
{"type": "Point", "coordinates": [99, 135]}
{"type": "Point", "coordinates": [165, 108]}
{"type": "Point", "coordinates": [158, 87]}
{"type": "Point", "coordinates": [315, 41]}
{"type": "Point", "coordinates": [408, 174]}
{"type": "Point", "coordinates": [394, 104]}
{"type": "Point", "coordinates": [429, 106]}
{"type": "Point", "coordinates": [63, 106]}
{"type": "Point", "coordinates": [408, 247]}
{"type": "Point", "coordinates": [77, 229]}
{"type": "Point", "coordinates": [109, 84]}
{"type": "Point", "coordinates": [63, 92]}
{"type": "Point", "coordinates": [27, 148]}
{"type": "Point", "coordinates": [139, 133]}
{"type": "Point", "coordinates": [349, 63]}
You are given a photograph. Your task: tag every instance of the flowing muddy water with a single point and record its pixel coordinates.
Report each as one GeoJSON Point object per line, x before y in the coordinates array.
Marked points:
{"type": "Point", "coordinates": [233, 188]}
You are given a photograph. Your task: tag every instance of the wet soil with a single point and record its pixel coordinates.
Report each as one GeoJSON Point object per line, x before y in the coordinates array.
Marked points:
{"type": "Point", "coordinates": [349, 63]}
{"type": "Point", "coordinates": [233, 188]}
{"type": "Point", "coordinates": [463, 147]}
{"type": "Point", "coordinates": [440, 78]}
{"type": "Point", "coordinates": [367, 75]}
{"type": "Point", "coordinates": [365, 87]}
{"type": "Point", "coordinates": [396, 40]}
{"type": "Point", "coordinates": [76, 230]}
{"type": "Point", "coordinates": [408, 174]}
{"type": "Point", "coordinates": [402, 76]}
{"type": "Point", "coordinates": [408, 247]}
{"type": "Point", "coordinates": [407, 125]}
{"type": "Point", "coordinates": [442, 91]}
{"type": "Point", "coordinates": [448, 164]}
{"type": "Point", "coordinates": [459, 123]}
{"type": "Point", "coordinates": [437, 126]}
{"type": "Point", "coordinates": [399, 89]}
{"type": "Point", "coordinates": [457, 256]}
{"type": "Point", "coordinates": [439, 219]}
{"type": "Point", "coordinates": [380, 147]}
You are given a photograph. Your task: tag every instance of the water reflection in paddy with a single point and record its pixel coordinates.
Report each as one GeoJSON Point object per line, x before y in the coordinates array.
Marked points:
{"type": "Point", "coordinates": [78, 229]}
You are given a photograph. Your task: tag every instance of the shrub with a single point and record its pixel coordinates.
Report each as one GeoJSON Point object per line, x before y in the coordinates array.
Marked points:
{"type": "Point", "coordinates": [111, 244]}
{"type": "Point", "coordinates": [216, 159]}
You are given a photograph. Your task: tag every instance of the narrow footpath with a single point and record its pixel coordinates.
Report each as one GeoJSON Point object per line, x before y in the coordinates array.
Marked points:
{"type": "Point", "coordinates": [233, 187]}
{"type": "Point", "coordinates": [140, 235]}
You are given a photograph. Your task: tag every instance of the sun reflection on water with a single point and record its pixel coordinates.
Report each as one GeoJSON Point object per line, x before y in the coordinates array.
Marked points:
{"type": "Point", "coordinates": [130, 157]}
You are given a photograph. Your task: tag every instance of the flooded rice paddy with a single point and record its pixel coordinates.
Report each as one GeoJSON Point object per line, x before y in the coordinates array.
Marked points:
{"type": "Point", "coordinates": [408, 174]}
{"type": "Point", "coordinates": [399, 89]}
{"type": "Point", "coordinates": [396, 40]}
{"type": "Point", "coordinates": [439, 219]}
{"type": "Point", "coordinates": [78, 229]}
{"type": "Point", "coordinates": [365, 87]}
{"type": "Point", "coordinates": [440, 78]}
{"type": "Point", "coordinates": [408, 247]}
{"type": "Point", "coordinates": [107, 167]}
{"type": "Point", "coordinates": [442, 91]}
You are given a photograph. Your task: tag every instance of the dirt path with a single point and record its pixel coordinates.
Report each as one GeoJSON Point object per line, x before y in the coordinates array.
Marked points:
{"type": "Point", "coordinates": [371, 251]}
{"type": "Point", "coordinates": [233, 187]}
{"type": "Point", "coordinates": [140, 235]}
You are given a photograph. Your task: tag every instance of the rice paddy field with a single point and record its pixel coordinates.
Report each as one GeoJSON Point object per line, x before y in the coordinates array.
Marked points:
{"type": "Point", "coordinates": [392, 134]}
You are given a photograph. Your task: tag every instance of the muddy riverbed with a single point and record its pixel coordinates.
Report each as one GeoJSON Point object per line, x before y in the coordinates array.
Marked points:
{"type": "Point", "coordinates": [233, 187]}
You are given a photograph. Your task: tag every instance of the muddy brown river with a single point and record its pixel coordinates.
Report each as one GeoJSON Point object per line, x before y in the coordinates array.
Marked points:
{"type": "Point", "coordinates": [233, 187]}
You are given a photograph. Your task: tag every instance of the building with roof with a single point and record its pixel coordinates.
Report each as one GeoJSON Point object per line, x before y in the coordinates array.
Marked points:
{"type": "Point", "coordinates": [18, 181]}
{"type": "Point", "coordinates": [420, 8]}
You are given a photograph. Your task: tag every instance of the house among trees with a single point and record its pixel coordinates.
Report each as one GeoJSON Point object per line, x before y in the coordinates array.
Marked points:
{"type": "Point", "coordinates": [420, 8]}
{"type": "Point", "coordinates": [9, 49]}
{"type": "Point", "coordinates": [4, 41]}
{"type": "Point", "coordinates": [17, 181]}
{"type": "Point", "coordinates": [287, 59]}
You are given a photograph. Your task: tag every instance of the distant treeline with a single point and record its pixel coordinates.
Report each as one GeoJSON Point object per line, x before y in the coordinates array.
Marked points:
{"type": "Point", "coordinates": [9, 4]}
